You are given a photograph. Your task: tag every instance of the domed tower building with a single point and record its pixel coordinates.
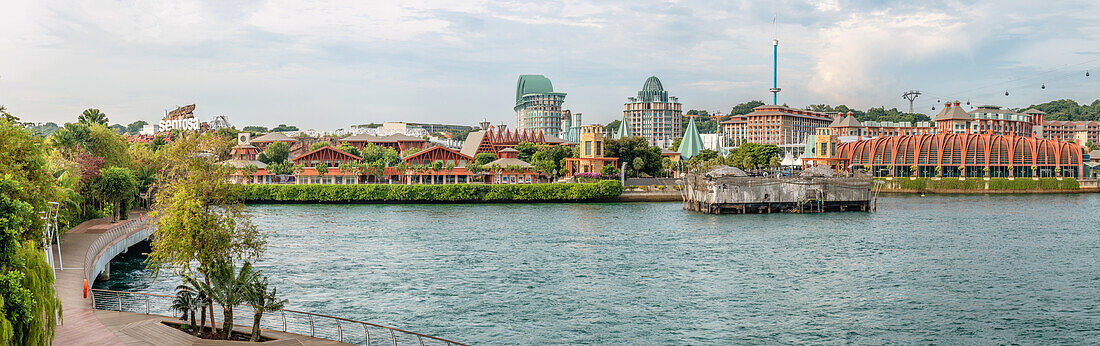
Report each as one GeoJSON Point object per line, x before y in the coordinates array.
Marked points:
{"type": "Point", "coordinates": [538, 107]}
{"type": "Point", "coordinates": [654, 115]}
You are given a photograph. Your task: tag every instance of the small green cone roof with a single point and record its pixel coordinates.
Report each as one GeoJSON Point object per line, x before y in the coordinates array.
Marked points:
{"type": "Point", "coordinates": [624, 130]}
{"type": "Point", "coordinates": [692, 142]}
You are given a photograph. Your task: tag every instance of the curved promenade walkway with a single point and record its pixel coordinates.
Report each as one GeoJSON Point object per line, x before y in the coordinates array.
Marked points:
{"type": "Point", "coordinates": [86, 326]}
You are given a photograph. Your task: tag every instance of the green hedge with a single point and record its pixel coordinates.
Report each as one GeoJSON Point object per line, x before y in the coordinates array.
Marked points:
{"type": "Point", "coordinates": [981, 184]}
{"type": "Point", "coordinates": [366, 193]}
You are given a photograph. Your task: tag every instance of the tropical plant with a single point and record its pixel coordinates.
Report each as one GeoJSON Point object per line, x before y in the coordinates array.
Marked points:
{"type": "Point", "coordinates": [450, 165]}
{"type": "Point", "coordinates": [200, 217]}
{"type": "Point", "coordinates": [184, 302]}
{"type": "Point", "coordinates": [437, 165]}
{"type": "Point", "coordinates": [93, 116]}
{"type": "Point", "coordinates": [229, 287]}
{"type": "Point", "coordinates": [277, 152]}
{"type": "Point", "coordinates": [262, 301]}
{"type": "Point", "coordinates": [322, 169]}
{"type": "Point", "coordinates": [484, 158]}
{"type": "Point", "coordinates": [319, 145]}
{"type": "Point", "coordinates": [200, 301]}
{"type": "Point", "coordinates": [609, 170]}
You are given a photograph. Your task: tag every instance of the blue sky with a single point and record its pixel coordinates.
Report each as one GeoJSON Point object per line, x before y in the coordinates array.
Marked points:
{"type": "Point", "coordinates": [328, 64]}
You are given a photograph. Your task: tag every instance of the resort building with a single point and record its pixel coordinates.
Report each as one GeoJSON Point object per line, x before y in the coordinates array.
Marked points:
{"type": "Point", "coordinates": [591, 152]}
{"type": "Point", "coordinates": [653, 114]}
{"type": "Point", "coordinates": [261, 142]}
{"type": "Point", "coordinates": [570, 126]}
{"type": "Point", "coordinates": [847, 125]}
{"type": "Point", "coordinates": [507, 169]}
{"type": "Point", "coordinates": [984, 120]}
{"type": "Point", "coordinates": [396, 141]}
{"type": "Point", "coordinates": [452, 168]}
{"type": "Point", "coordinates": [734, 131]}
{"type": "Point", "coordinates": [785, 127]}
{"type": "Point", "coordinates": [496, 139]}
{"type": "Point", "coordinates": [321, 166]}
{"type": "Point", "coordinates": [962, 154]}
{"type": "Point", "coordinates": [538, 107]}
{"type": "Point", "coordinates": [1072, 131]}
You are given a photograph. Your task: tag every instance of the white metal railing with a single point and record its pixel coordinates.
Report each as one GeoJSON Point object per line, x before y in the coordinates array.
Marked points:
{"type": "Point", "coordinates": [289, 321]}
{"type": "Point", "coordinates": [103, 241]}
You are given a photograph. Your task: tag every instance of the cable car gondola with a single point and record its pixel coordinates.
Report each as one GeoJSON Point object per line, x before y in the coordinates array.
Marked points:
{"type": "Point", "coordinates": [1006, 92]}
{"type": "Point", "coordinates": [1044, 86]}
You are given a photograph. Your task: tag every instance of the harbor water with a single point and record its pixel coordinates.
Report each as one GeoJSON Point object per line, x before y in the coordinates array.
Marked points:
{"type": "Point", "coordinates": [969, 269]}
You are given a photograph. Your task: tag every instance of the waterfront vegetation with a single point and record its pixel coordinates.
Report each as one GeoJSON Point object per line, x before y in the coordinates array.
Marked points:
{"type": "Point", "coordinates": [366, 193]}
{"type": "Point", "coordinates": [977, 184]}
{"type": "Point", "coordinates": [29, 306]}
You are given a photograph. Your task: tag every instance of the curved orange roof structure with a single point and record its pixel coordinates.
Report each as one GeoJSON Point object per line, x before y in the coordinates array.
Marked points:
{"type": "Point", "coordinates": [973, 151]}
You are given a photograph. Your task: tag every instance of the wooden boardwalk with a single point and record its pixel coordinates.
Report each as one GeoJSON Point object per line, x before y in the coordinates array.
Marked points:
{"type": "Point", "coordinates": [83, 325]}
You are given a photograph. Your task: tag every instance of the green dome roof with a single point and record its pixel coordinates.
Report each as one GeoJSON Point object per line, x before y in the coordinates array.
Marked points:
{"type": "Point", "coordinates": [532, 84]}
{"type": "Point", "coordinates": [653, 84]}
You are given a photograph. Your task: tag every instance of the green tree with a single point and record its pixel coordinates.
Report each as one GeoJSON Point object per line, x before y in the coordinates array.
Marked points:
{"type": "Point", "coordinates": [745, 108]}
{"type": "Point", "coordinates": [612, 126]}
{"type": "Point", "coordinates": [704, 156]}
{"type": "Point", "coordinates": [609, 170]}
{"type": "Point", "coordinates": [676, 144]}
{"type": "Point", "coordinates": [284, 128]}
{"type": "Point", "coordinates": [135, 127]}
{"type": "Point", "coordinates": [525, 150]}
{"type": "Point", "coordinates": [348, 148]}
{"type": "Point", "coordinates": [93, 116]}
{"type": "Point", "coordinates": [1091, 146]}
{"type": "Point", "coordinates": [119, 129]}
{"type": "Point", "coordinates": [200, 218]}
{"type": "Point", "coordinates": [28, 303]}
{"type": "Point", "coordinates": [322, 169]}
{"type": "Point", "coordinates": [185, 303]}
{"type": "Point", "coordinates": [437, 165]}
{"type": "Point", "coordinates": [484, 158]}
{"type": "Point", "coordinates": [626, 149]}
{"type": "Point", "coordinates": [262, 301]}
{"type": "Point", "coordinates": [229, 287]}
{"type": "Point", "coordinates": [254, 129]}
{"type": "Point", "coordinates": [638, 164]}
{"type": "Point", "coordinates": [277, 152]}
{"type": "Point", "coordinates": [118, 186]}
{"type": "Point", "coordinates": [319, 145]}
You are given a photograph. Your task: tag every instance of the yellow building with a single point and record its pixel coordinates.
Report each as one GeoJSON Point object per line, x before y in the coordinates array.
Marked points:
{"type": "Point", "coordinates": [590, 151]}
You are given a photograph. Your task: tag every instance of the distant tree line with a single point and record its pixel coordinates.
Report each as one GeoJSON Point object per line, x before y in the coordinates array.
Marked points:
{"type": "Point", "coordinates": [1069, 110]}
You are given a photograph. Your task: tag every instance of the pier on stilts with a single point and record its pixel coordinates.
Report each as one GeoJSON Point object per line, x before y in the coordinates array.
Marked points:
{"type": "Point", "coordinates": [736, 193]}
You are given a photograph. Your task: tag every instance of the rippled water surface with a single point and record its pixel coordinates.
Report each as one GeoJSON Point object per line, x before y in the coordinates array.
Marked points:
{"type": "Point", "coordinates": [943, 269]}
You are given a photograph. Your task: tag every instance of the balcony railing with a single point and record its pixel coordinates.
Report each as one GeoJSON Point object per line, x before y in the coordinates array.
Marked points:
{"type": "Point", "coordinates": [289, 321]}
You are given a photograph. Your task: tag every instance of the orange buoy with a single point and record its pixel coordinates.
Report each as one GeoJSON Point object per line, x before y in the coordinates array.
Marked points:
{"type": "Point", "coordinates": [85, 288]}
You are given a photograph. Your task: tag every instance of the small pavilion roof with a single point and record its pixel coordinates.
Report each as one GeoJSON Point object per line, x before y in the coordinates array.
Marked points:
{"type": "Point", "coordinates": [692, 142]}
{"type": "Point", "coordinates": [849, 121]}
{"type": "Point", "coordinates": [953, 112]}
{"type": "Point", "coordinates": [473, 141]}
{"type": "Point", "coordinates": [505, 162]}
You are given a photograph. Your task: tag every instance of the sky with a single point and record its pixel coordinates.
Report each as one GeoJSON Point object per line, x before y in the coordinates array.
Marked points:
{"type": "Point", "coordinates": [330, 64]}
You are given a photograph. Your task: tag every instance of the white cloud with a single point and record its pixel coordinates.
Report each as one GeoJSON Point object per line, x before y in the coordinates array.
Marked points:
{"type": "Point", "coordinates": [855, 52]}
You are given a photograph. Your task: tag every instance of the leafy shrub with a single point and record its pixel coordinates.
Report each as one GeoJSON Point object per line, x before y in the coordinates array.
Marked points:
{"type": "Point", "coordinates": [430, 193]}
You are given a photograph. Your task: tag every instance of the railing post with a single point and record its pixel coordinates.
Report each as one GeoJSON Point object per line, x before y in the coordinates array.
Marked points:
{"type": "Point", "coordinates": [394, 336]}
{"type": "Point", "coordinates": [284, 320]}
{"type": "Point", "coordinates": [119, 296]}
{"type": "Point", "coordinates": [367, 333]}
{"type": "Point", "coordinates": [339, 331]}
{"type": "Point", "coordinates": [146, 305]}
{"type": "Point", "coordinates": [420, 339]}
{"type": "Point", "coordinates": [310, 325]}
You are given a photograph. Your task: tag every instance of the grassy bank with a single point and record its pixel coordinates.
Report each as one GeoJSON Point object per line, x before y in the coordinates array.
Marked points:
{"type": "Point", "coordinates": [978, 184]}
{"type": "Point", "coordinates": [379, 193]}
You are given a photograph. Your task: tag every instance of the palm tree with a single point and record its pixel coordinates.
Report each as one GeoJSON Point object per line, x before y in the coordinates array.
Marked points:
{"type": "Point", "coordinates": [93, 116]}
{"type": "Point", "coordinates": [201, 302]}
{"type": "Point", "coordinates": [230, 288]}
{"type": "Point", "coordinates": [185, 303]}
{"type": "Point", "coordinates": [262, 301]}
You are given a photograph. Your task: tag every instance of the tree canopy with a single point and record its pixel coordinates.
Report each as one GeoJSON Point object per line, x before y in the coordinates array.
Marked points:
{"type": "Point", "coordinates": [93, 116]}
{"type": "Point", "coordinates": [1069, 110]}
{"type": "Point", "coordinates": [626, 149]}
{"type": "Point", "coordinates": [277, 152]}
